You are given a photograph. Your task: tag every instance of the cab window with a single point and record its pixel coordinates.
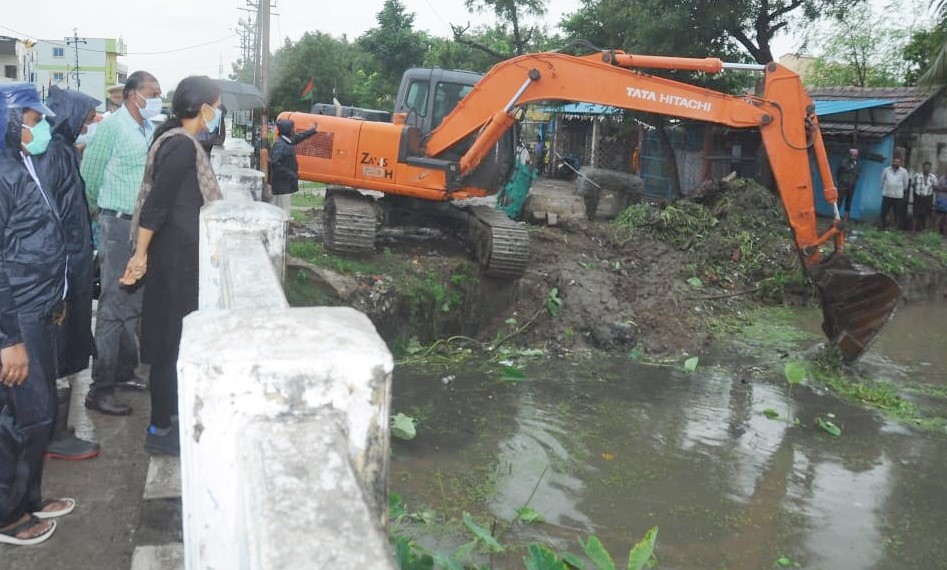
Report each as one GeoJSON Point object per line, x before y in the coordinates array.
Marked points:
{"type": "Point", "coordinates": [416, 99]}
{"type": "Point", "coordinates": [446, 97]}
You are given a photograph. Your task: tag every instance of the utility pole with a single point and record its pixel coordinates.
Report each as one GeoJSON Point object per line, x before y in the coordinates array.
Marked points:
{"type": "Point", "coordinates": [264, 67]}
{"type": "Point", "coordinates": [74, 41]}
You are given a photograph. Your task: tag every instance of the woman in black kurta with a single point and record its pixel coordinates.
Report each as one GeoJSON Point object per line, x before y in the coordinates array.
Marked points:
{"type": "Point", "coordinates": [167, 245]}
{"type": "Point", "coordinates": [171, 212]}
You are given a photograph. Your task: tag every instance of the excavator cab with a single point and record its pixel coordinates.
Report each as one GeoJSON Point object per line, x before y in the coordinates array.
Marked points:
{"type": "Point", "coordinates": [427, 96]}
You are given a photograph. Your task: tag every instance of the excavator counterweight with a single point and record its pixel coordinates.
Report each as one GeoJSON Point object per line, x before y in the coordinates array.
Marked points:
{"type": "Point", "coordinates": [450, 138]}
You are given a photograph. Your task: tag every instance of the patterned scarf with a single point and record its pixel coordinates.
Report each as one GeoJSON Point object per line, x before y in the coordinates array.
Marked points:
{"type": "Point", "coordinates": [206, 179]}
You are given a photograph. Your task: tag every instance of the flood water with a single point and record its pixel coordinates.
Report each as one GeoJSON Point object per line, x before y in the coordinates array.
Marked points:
{"type": "Point", "coordinates": [614, 447]}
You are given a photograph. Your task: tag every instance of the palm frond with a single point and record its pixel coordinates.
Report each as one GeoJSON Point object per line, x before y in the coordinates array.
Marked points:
{"type": "Point", "coordinates": [936, 74]}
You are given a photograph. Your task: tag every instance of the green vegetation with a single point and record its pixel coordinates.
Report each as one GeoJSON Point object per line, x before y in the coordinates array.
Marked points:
{"type": "Point", "coordinates": [896, 253]}
{"type": "Point", "coordinates": [315, 253]}
{"type": "Point", "coordinates": [485, 542]}
{"type": "Point", "coordinates": [307, 200]}
{"type": "Point", "coordinates": [734, 238]}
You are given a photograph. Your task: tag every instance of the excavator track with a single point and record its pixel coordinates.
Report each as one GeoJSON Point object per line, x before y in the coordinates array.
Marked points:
{"type": "Point", "coordinates": [349, 223]}
{"type": "Point", "coordinates": [500, 245]}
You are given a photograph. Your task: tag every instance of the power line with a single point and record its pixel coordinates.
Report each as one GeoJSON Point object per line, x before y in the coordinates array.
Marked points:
{"type": "Point", "coordinates": [58, 44]}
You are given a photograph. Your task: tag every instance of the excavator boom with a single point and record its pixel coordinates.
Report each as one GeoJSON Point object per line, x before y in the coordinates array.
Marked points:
{"type": "Point", "coordinates": [392, 158]}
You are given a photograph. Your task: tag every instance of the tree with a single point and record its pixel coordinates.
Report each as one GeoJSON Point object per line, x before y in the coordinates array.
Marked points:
{"type": "Point", "coordinates": [920, 51]}
{"type": "Point", "coordinates": [754, 23]}
{"type": "Point", "coordinates": [513, 35]}
{"type": "Point", "coordinates": [330, 62]}
{"type": "Point", "coordinates": [862, 51]}
{"type": "Point", "coordinates": [394, 47]}
{"type": "Point", "coordinates": [936, 74]}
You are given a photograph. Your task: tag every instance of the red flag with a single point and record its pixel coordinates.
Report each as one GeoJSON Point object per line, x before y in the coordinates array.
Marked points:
{"type": "Point", "coordinates": [310, 87]}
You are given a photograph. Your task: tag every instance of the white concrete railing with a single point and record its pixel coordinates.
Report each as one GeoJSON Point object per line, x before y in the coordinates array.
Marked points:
{"type": "Point", "coordinates": [283, 412]}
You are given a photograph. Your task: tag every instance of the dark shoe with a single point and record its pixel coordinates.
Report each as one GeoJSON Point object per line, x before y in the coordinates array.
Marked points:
{"type": "Point", "coordinates": [68, 447]}
{"type": "Point", "coordinates": [166, 444]}
{"type": "Point", "coordinates": [133, 383]}
{"type": "Point", "coordinates": [107, 404]}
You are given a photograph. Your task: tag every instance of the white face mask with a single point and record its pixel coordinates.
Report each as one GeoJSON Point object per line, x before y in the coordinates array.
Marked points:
{"type": "Point", "coordinates": [88, 135]}
{"type": "Point", "coordinates": [152, 107]}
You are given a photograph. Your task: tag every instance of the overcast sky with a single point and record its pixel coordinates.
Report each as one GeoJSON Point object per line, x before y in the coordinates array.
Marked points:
{"type": "Point", "coordinates": [164, 25]}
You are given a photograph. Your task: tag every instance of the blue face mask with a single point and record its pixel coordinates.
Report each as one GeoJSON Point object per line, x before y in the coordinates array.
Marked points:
{"type": "Point", "coordinates": [41, 137]}
{"type": "Point", "coordinates": [215, 122]}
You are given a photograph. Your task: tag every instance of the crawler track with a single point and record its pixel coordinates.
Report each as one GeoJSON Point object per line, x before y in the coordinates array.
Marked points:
{"type": "Point", "coordinates": [349, 223]}
{"type": "Point", "coordinates": [500, 245]}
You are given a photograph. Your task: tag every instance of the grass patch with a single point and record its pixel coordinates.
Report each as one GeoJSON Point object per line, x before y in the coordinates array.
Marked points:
{"type": "Point", "coordinates": [897, 253]}
{"type": "Point", "coordinates": [307, 200]}
{"type": "Point", "coordinates": [308, 185]}
{"type": "Point", "coordinates": [315, 253]}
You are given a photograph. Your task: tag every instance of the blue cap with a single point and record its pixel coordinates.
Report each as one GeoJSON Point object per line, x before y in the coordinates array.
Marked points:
{"type": "Point", "coordinates": [24, 96]}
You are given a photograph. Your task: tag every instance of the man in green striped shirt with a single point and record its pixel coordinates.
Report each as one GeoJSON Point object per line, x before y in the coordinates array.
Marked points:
{"type": "Point", "coordinates": [113, 166]}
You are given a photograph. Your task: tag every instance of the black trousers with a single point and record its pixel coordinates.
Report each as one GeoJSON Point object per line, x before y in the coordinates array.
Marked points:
{"type": "Point", "coordinates": [163, 381]}
{"type": "Point", "coordinates": [895, 204]}
{"type": "Point", "coordinates": [845, 196]}
{"type": "Point", "coordinates": [26, 422]}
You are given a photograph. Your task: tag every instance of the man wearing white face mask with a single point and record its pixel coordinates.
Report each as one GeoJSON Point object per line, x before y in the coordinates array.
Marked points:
{"type": "Point", "coordinates": [113, 165]}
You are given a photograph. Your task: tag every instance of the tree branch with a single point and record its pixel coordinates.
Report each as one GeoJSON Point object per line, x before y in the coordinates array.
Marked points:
{"type": "Point", "coordinates": [747, 43]}
{"type": "Point", "coordinates": [785, 9]}
{"type": "Point", "coordinates": [459, 38]}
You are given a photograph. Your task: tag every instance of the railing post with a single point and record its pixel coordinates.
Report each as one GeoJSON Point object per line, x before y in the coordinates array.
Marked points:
{"type": "Point", "coordinates": [223, 216]}
{"type": "Point", "coordinates": [240, 368]}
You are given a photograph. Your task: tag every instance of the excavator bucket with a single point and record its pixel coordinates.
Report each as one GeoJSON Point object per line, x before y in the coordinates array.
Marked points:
{"type": "Point", "coordinates": [857, 302]}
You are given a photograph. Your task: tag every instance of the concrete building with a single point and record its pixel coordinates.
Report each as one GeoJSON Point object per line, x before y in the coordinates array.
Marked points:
{"type": "Point", "coordinates": [8, 60]}
{"type": "Point", "coordinates": [98, 65]}
{"type": "Point", "coordinates": [799, 63]}
{"type": "Point", "coordinates": [17, 59]}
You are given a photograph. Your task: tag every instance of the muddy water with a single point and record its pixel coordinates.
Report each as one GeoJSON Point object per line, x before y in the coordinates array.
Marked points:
{"type": "Point", "coordinates": [912, 347]}
{"type": "Point", "coordinates": [614, 448]}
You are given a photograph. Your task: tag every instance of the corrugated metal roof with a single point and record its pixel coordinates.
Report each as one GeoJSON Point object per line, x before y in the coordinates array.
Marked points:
{"type": "Point", "coordinates": [906, 100]}
{"type": "Point", "coordinates": [833, 107]}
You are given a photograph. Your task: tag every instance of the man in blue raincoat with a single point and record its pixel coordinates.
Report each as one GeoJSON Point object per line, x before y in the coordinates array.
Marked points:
{"type": "Point", "coordinates": [32, 288]}
{"type": "Point", "coordinates": [58, 171]}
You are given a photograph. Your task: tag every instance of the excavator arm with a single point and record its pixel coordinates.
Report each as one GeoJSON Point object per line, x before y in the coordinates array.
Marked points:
{"type": "Point", "coordinates": [784, 115]}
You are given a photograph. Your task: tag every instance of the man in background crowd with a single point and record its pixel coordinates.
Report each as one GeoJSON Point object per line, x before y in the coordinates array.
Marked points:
{"type": "Point", "coordinates": [894, 186]}
{"type": "Point", "coordinates": [113, 166]}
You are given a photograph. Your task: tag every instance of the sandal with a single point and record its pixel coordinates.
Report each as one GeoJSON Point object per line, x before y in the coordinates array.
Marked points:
{"type": "Point", "coordinates": [43, 515]}
{"type": "Point", "coordinates": [9, 536]}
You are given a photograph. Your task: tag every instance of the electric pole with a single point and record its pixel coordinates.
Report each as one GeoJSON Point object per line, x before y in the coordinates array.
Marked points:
{"type": "Point", "coordinates": [265, 66]}
{"type": "Point", "coordinates": [74, 41]}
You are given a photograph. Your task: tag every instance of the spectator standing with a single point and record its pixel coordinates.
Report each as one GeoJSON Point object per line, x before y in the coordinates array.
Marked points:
{"type": "Point", "coordinates": [58, 171]}
{"type": "Point", "coordinates": [32, 285]}
{"type": "Point", "coordinates": [116, 98]}
{"type": "Point", "coordinates": [922, 195]}
{"type": "Point", "coordinates": [178, 180]}
{"type": "Point", "coordinates": [113, 166]}
{"type": "Point", "coordinates": [284, 169]}
{"type": "Point", "coordinates": [846, 177]}
{"type": "Point", "coordinates": [894, 184]}
{"type": "Point", "coordinates": [940, 205]}
{"type": "Point", "coordinates": [539, 154]}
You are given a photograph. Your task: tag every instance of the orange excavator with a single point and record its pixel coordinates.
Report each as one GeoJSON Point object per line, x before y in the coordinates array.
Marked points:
{"type": "Point", "coordinates": [450, 140]}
